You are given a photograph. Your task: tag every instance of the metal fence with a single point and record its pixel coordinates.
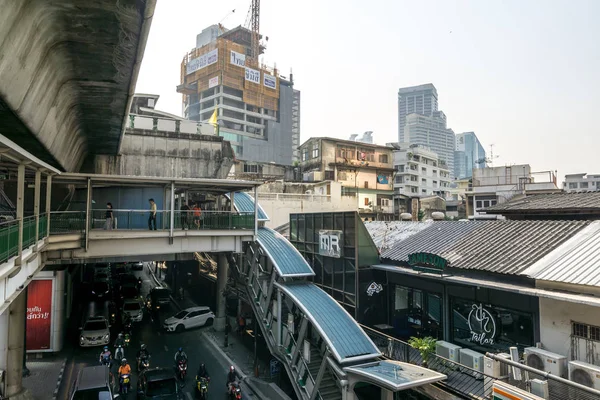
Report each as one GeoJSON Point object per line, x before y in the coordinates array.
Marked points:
{"type": "Point", "coordinates": [140, 219]}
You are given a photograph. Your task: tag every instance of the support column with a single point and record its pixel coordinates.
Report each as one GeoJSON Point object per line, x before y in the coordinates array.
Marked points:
{"type": "Point", "coordinates": [20, 198]}
{"type": "Point", "coordinates": [222, 271]}
{"type": "Point", "coordinates": [36, 204]}
{"type": "Point", "coordinates": [172, 213]}
{"type": "Point", "coordinates": [48, 202]}
{"type": "Point", "coordinates": [231, 199]}
{"type": "Point", "coordinates": [4, 348]}
{"type": "Point", "coordinates": [15, 353]}
{"type": "Point", "coordinates": [255, 210]}
{"type": "Point", "coordinates": [88, 213]}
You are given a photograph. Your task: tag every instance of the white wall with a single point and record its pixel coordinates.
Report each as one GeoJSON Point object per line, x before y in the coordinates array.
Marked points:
{"type": "Point", "coordinates": [555, 325]}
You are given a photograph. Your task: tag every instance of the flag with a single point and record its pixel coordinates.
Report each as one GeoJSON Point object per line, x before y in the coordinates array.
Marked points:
{"type": "Point", "coordinates": [213, 118]}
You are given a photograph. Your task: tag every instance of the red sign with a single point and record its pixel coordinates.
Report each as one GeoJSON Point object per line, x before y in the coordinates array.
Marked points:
{"type": "Point", "coordinates": [39, 314]}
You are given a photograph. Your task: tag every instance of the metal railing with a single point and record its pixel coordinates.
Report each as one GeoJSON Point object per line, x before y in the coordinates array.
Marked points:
{"type": "Point", "coordinates": [461, 379]}
{"type": "Point", "coordinates": [62, 222]}
{"type": "Point", "coordinates": [28, 231]}
{"type": "Point", "coordinates": [9, 239]}
{"type": "Point", "coordinates": [317, 198]}
{"type": "Point", "coordinates": [140, 220]}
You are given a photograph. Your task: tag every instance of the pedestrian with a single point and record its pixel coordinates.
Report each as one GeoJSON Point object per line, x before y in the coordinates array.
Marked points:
{"type": "Point", "coordinates": [152, 217]}
{"type": "Point", "coordinates": [197, 214]}
{"type": "Point", "coordinates": [110, 219]}
{"type": "Point", "coordinates": [241, 325]}
{"type": "Point", "coordinates": [185, 210]}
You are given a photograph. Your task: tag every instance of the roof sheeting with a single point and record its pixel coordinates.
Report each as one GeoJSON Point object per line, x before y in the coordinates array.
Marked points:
{"type": "Point", "coordinates": [387, 233]}
{"type": "Point", "coordinates": [285, 258]}
{"type": "Point", "coordinates": [244, 203]}
{"type": "Point", "coordinates": [576, 262]}
{"type": "Point", "coordinates": [550, 202]}
{"type": "Point", "coordinates": [507, 247]}
{"type": "Point", "coordinates": [396, 375]}
{"type": "Point", "coordinates": [346, 339]}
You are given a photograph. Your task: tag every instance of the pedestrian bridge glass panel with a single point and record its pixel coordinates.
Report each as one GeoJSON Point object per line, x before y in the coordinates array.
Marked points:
{"type": "Point", "coordinates": [285, 258]}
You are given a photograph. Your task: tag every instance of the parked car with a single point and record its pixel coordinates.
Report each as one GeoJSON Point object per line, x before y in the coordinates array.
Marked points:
{"type": "Point", "coordinates": [94, 383]}
{"type": "Point", "coordinates": [157, 298]}
{"type": "Point", "coordinates": [192, 317]}
{"type": "Point", "coordinates": [134, 309]}
{"type": "Point", "coordinates": [101, 277]}
{"type": "Point", "coordinates": [158, 383]}
{"type": "Point", "coordinates": [138, 266]}
{"type": "Point", "coordinates": [94, 332]}
{"type": "Point", "coordinates": [100, 290]}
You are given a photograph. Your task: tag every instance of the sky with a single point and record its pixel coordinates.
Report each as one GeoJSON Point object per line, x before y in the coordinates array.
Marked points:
{"type": "Point", "coordinates": [523, 75]}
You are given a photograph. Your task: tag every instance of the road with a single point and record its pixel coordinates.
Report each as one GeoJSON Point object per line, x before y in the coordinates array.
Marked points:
{"type": "Point", "coordinates": [162, 347]}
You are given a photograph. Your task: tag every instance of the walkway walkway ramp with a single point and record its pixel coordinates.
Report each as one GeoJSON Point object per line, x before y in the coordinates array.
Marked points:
{"type": "Point", "coordinates": [286, 259]}
{"type": "Point", "coordinates": [244, 203]}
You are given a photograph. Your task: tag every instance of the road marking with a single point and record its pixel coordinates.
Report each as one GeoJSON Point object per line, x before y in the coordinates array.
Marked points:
{"type": "Point", "coordinates": [188, 395]}
{"type": "Point", "coordinates": [166, 348]}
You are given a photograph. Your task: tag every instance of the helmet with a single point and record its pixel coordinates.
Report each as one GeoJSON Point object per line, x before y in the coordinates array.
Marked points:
{"type": "Point", "coordinates": [180, 349]}
{"type": "Point", "coordinates": [143, 346]}
{"type": "Point", "coordinates": [105, 348]}
{"type": "Point", "coordinates": [202, 366]}
{"type": "Point", "coordinates": [120, 336]}
{"type": "Point", "coordinates": [124, 361]}
{"type": "Point", "coordinates": [232, 368]}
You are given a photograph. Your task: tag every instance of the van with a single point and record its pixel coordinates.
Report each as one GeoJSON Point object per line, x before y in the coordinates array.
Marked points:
{"type": "Point", "coordinates": [94, 383]}
{"type": "Point", "coordinates": [159, 297]}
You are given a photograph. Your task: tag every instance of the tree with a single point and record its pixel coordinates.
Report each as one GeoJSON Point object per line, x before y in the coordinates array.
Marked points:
{"type": "Point", "coordinates": [426, 347]}
{"type": "Point", "coordinates": [421, 215]}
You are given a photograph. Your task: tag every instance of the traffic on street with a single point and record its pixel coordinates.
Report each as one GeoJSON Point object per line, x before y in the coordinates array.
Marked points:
{"type": "Point", "coordinates": [119, 315]}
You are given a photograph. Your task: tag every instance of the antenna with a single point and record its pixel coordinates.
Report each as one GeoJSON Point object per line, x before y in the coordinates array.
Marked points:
{"type": "Point", "coordinates": [492, 157]}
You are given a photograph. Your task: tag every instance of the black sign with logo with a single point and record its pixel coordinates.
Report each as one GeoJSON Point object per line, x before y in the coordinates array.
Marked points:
{"type": "Point", "coordinates": [427, 262]}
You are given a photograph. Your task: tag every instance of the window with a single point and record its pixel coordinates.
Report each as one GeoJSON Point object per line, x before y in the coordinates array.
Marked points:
{"type": "Point", "coordinates": [417, 313]}
{"type": "Point", "coordinates": [400, 168]}
{"type": "Point", "coordinates": [399, 179]}
{"type": "Point", "coordinates": [424, 170]}
{"type": "Point", "coordinates": [251, 168]}
{"type": "Point", "coordinates": [478, 204]}
{"type": "Point", "coordinates": [385, 202]}
{"type": "Point", "coordinates": [315, 153]}
{"type": "Point", "coordinates": [434, 172]}
{"type": "Point", "coordinates": [383, 158]}
{"type": "Point", "coordinates": [583, 185]}
{"type": "Point", "coordinates": [572, 185]}
{"type": "Point", "coordinates": [585, 331]}
{"type": "Point", "coordinates": [366, 201]}
{"type": "Point", "coordinates": [304, 154]}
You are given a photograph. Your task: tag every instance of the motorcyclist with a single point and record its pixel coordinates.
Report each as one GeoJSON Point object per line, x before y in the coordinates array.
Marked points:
{"type": "Point", "coordinates": [120, 341]}
{"type": "Point", "coordinates": [231, 378]}
{"type": "Point", "coordinates": [142, 353]}
{"type": "Point", "coordinates": [180, 356]}
{"type": "Point", "coordinates": [105, 356]}
{"type": "Point", "coordinates": [202, 372]}
{"type": "Point", "coordinates": [139, 284]}
{"type": "Point", "coordinates": [124, 369]}
{"type": "Point", "coordinates": [119, 353]}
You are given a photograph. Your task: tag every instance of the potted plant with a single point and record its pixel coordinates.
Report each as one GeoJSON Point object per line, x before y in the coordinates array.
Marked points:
{"type": "Point", "coordinates": [426, 347]}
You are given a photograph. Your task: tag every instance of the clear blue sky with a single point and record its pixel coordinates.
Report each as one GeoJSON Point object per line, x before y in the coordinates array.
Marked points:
{"type": "Point", "coordinates": [524, 75]}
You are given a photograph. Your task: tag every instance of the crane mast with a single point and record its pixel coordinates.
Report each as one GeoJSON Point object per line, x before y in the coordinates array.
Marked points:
{"type": "Point", "coordinates": [255, 27]}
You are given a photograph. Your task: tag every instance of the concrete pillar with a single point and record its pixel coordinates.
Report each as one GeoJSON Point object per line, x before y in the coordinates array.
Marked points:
{"type": "Point", "coordinates": [48, 202]}
{"type": "Point", "coordinates": [222, 272]}
{"type": "Point", "coordinates": [58, 311]}
{"type": "Point", "coordinates": [172, 210]}
{"type": "Point", "coordinates": [3, 348]}
{"type": "Point", "coordinates": [20, 198]}
{"type": "Point", "coordinates": [36, 204]}
{"type": "Point", "coordinates": [88, 213]}
{"type": "Point", "coordinates": [15, 351]}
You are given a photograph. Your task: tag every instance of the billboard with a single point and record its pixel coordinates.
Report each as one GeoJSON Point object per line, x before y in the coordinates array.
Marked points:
{"type": "Point", "coordinates": [252, 75]}
{"type": "Point", "coordinates": [238, 59]}
{"type": "Point", "coordinates": [270, 81]}
{"type": "Point", "coordinates": [202, 61]}
{"type": "Point", "coordinates": [330, 243]}
{"type": "Point", "coordinates": [212, 82]}
{"type": "Point", "coordinates": [39, 314]}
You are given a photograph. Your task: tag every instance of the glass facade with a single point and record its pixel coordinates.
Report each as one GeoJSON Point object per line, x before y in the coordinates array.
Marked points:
{"type": "Point", "coordinates": [417, 313]}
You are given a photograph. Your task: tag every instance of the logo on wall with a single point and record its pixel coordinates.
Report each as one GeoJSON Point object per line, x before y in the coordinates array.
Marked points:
{"type": "Point", "coordinates": [374, 288]}
{"type": "Point", "coordinates": [482, 325]}
{"type": "Point", "coordinates": [330, 243]}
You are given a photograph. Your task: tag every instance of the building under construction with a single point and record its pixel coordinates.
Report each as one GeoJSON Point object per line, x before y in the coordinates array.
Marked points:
{"type": "Point", "coordinates": [258, 109]}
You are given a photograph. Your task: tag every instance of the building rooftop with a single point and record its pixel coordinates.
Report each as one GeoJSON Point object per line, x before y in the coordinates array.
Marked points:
{"type": "Point", "coordinates": [387, 233]}
{"type": "Point", "coordinates": [577, 261]}
{"type": "Point", "coordinates": [575, 203]}
{"type": "Point", "coordinates": [507, 247]}
{"type": "Point", "coordinates": [349, 142]}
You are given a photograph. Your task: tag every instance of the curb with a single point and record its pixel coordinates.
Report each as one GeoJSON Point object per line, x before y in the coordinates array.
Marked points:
{"type": "Point", "coordinates": [245, 378]}
{"type": "Point", "coordinates": [60, 378]}
{"type": "Point", "coordinates": [163, 285]}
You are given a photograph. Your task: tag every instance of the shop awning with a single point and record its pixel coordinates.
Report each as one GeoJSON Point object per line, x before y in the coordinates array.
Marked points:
{"type": "Point", "coordinates": [507, 287]}
{"type": "Point", "coordinates": [395, 375]}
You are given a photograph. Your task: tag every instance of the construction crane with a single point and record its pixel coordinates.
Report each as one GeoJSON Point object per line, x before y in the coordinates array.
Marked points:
{"type": "Point", "coordinates": [253, 23]}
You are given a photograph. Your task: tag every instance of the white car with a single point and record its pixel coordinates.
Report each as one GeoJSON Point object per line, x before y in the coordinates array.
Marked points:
{"type": "Point", "coordinates": [134, 309]}
{"type": "Point", "coordinates": [192, 317]}
{"type": "Point", "coordinates": [94, 332]}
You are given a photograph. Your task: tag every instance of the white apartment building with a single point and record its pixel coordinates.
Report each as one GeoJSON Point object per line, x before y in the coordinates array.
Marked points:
{"type": "Point", "coordinates": [581, 182]}
{"type": "Point", "coordinates": [420, 172]}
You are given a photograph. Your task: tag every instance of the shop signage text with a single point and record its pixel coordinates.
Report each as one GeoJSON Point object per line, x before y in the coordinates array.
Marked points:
{"type": "Point", "coordinates": [373, 288]}
{"type": "Point", "coordinates": [203, 61]}
{"type": "Point", "coordinates": [330, 243]}
{"type": "Point", "coordinates": [238, 59]}
{"type": "Point", "coordinates": [427, 262]}
{"type": "Point", "coordinates": [270, 81]}
{"type": "Point", "coordinates": [39, 314]}
{"type": "Point", "coordinates": [252, 75]}
{"type": "Point", "coordinates": [212, 82]}
{"type": "Point", "coordinates": [482, 325]}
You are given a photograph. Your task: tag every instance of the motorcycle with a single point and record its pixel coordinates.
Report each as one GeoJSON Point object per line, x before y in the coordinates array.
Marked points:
{"type": "Point", "coordinates": [202, 387]}
{"type": "Point", "coordinates": [182, 369]}
{"type": "Point", "coordinates": [235, 392]}
{"type": "Point", "coordinates": [119, 353]}
{"type": "Point", "coordinates": [144, 364]}
{"type": "Point", "coordinates": [127, 339]}
{"type": "Point", "coordinates": [124, 384]}
{"type": "Point", "coordinates": [105, 359]}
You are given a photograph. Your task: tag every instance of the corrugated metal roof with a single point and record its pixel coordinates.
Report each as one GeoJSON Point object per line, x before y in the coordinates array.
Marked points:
{"type": "Point", "coordinates": [244, 203]}
{"type": "Point", "coordinates": [577, 261]}
{"type": "Point", "coordinates": [385, 234]}
{"type": "Point", "coordinates": [507, 247]}
{"type": "Point", "coordinates": [341, 332]}
{"type": "Point", "coordinates": [555, 201]}
{"type": "Point", "coordinates": [434, 238]}
{"type": "Point", "coordinates": [284, 256]}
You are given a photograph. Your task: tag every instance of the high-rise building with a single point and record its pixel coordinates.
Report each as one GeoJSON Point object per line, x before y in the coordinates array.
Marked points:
{"type": "Point", "coordinates": [422, 99]}
{"type": "Point", "coordinates": [431, 132]}
{"type": "Point", "coordinates": [469, 154]}
{"type": "Point", "coordinates": [258, 109]}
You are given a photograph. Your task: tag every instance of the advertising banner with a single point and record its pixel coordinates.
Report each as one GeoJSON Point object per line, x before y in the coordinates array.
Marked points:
{"type": "Point", "coordinates": [39, 314]}
{"type": "Point", "coordinates": [330, 243]}
{"type": "Point", "coordinates": [270, 81]}
{"type": "Point", "coordinates": [212, 82]}
{"type": "Point", "coordinates": [238, 59]}
{"type": "Point", "coordinates": [203, 61]}
{"type": "Point", "coordinates": [253, 75]}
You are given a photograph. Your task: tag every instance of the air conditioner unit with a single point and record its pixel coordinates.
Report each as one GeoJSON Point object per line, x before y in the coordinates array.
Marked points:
{"type": "Point", "coordinates": [473, 360]}
{"type": "Point", "coordinates": [448, 350]}
{"type": "Point", "coordinates": [540, 388]}
{"type": "Point", "coordinates": [546, 361]}
{"type": "Point", "coordinates": [585, 374]}
{"type": "Point", "coordinates": [493, 370]}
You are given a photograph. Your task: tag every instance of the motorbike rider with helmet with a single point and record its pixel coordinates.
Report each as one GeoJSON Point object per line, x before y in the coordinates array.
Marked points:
{"type": "Point", "coordinates": [124, 369]}
{"type": "Point", "coordinates": [142, 353]}
{"type": "Point", "coordinates": [105, 356]}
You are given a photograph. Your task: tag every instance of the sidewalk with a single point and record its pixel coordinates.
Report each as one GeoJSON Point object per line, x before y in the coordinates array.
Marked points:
{"type": "Point", "coordinates": [236, 353]}
{"type": "Point", "coordinates": [45, 376]}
